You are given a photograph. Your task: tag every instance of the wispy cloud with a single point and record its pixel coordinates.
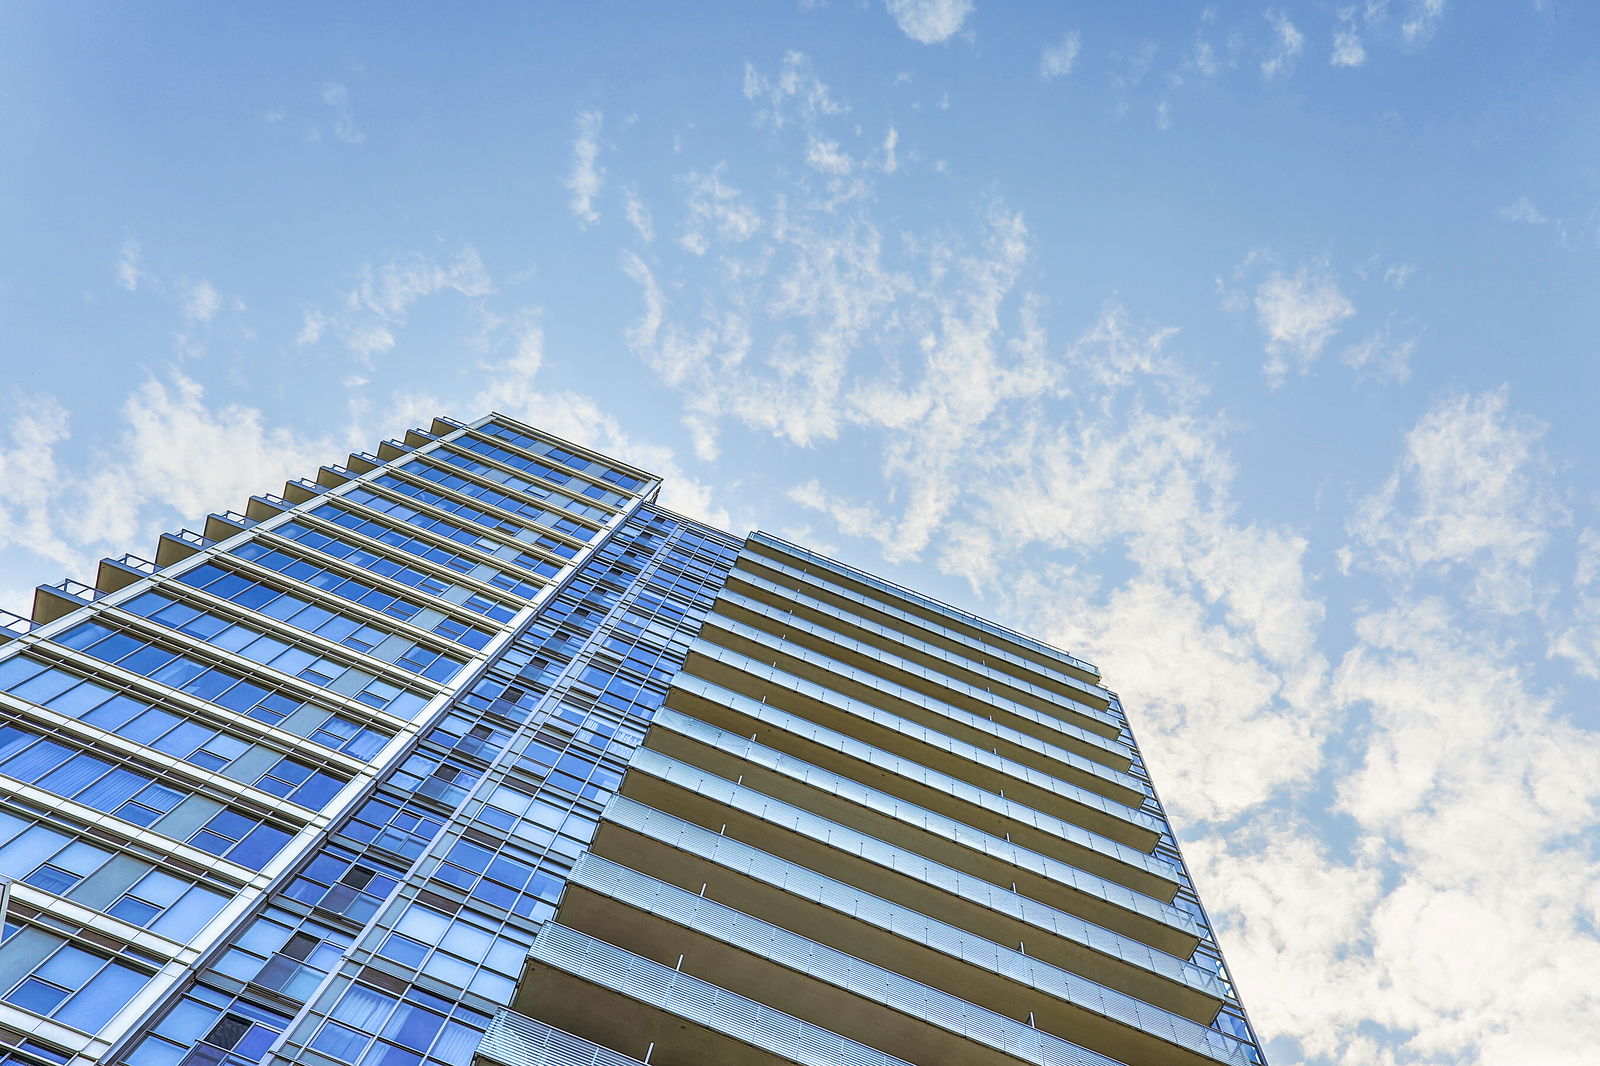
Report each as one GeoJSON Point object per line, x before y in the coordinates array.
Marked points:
{"type": "Point", "coordinates": [337, 97]}
{"type": "Point", "coordinates": [1347, 48]}
{"type": "Point", "coordinates": [1381, 355]}
{"type": "Point", "coordinates": [716, 210]}
{"type": "Point", "coordinates": [30, 504]}
{"type": "Point", "coordinates": [1058, 59]}
{"type": "Point", "coordinates": [1523, 209]}
{"type": "Point", "coordinates": [929, 21]}
{"type": "Point", "coordinates": [1421, 21]}
{"type": "Point", "coordinates": [364, 318]}
{"type": "Point", "coordinates": [1468, 496]}
{"type": "Point", "coordinates": [638, 215]}
{"type": "Point", "coordinates": [199, 301]}
{"type": "Point", "coordinates": [128, 266]}
{"type": "Point", "coordinates": [1298, 315]}
{"type": "Point", "coordinates": [1287, 42]}
{"type": "Point", "coordinates": [585, 176]}
{"type": "Point", "coordinates": [793, 93]}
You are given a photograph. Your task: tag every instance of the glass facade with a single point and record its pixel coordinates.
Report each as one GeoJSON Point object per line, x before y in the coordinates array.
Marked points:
{"type": "Point", "coordinates": [467, 752]}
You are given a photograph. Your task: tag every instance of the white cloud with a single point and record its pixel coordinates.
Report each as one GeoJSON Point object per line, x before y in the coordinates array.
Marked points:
{"type": "Point", "coordinates": [638, 215]}
{"type": "Point", "coordinates": [174, 460]}
{"type": "Point", "coordinates": [1286, 45]}
{"type": "Point", "coordinates": [585, 177]}
{"type": "Point", "coordinates": [716, 211]}
{"type": "Point", "coordinates": [826, 156]}
{"type": "Point", "coordinates": [890, 140]}
{"type": "Point", "coordinates": [128, 269]}
{"type": "Point", "coordinates": [1468, 495]}
{"type": "Point", "coordinates": [1470, 779]}
{"type": "Point", "coordinates": [32, 479]}
{"type": "Point", "coordinates": [794, 93]}
{"type": "Point", "coordinates": [1381, 355]}
{"type": "Point", "coordinates": [1576, 635]}
{"type": "Point", "coordinates": [1088, 490]}
{"type": "Point", "coordinates": [366, 316]}
{"type": "Point", "coordinates": [337, 97]}
{"type": "Point", "coordinates": [200, 301]}
{"type": "Point", "coordinates": [929, 21]}
{"type": "Point", "coordinates": [1058, 59]}
{"type": "Point", "coordinates": [1298, 316]}
{"type": "Point", "coordinates": [197, 301]}
{"type": "Point", "coordinates": [1397, 274]}
{"type": "Point", "coordinates": [1347, 49]}
{"type": "Point", "coordinates": [1522, 209]}
{"type": "Point", "coordinates": [393, 288]}
{"type": "Point", "coordinates": [189, 457]}
{"type": "Point", "coordinates": [1422, 21]}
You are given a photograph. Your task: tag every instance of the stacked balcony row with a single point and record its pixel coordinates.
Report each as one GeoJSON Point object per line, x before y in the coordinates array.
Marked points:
{"type": "Point", "coordinates": [869, 827]}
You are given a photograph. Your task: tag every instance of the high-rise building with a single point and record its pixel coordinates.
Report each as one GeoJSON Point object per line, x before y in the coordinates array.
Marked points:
{"type": "Point", "coordinates": [467, 751]}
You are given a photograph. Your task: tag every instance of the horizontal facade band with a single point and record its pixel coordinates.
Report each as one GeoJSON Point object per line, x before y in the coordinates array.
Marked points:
{"type": "Point", "coordinates": [767, 1035]}
{"type": "Point", "coordinates": [900, 677]}
{"type": "Point", "coordinates": [804, 710]}
{"type": "Point", "coordinates": [1116, 1024]}
{"type": "Point", "coordinates": [1106, 957]}
{"type": "Point", "coordinates": [1054, 839]}
{"type": "Point", "coordinates": [992, 632]}
{"type": "Point", "coordinates": [1142, 917]}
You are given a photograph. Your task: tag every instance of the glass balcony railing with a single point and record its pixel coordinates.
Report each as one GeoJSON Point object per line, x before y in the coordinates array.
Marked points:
{"type": "Point", "coordinates": [1129, 786]}
{"type": "Point", "coordinates": [896, 638]}
{"type": "Point", "coordinates": [943, 1009]}
{"type": "Point", "coordinates": [891, 691]}
{"type": "Point", "coordinates": [926, 602]}
{"type": "Point", "coordinates": [890, 663]}
{"type": "Point", "coordinates": [760, 865]}
{"type": "Point", "coordinates": [697, 1001]}
{"type": "Point", "coordinates": [744, 748]}
{"type": "Point", "coordinates": [1174, 921]}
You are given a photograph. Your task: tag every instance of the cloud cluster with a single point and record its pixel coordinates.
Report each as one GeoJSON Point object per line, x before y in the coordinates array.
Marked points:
{"type": "Point", "coordinates": [337, 97]}
{"type": "Point", "coordinates": [1287, 41]}
{"type": "Point", "coordinates": [1466, 499]}
{"type": "Point", "coordinates": [1372, 792]}
{"type": "Point", "coordinates": [929, 21]}
{"type": "Point", "coordinates": [1298, 315]}
{"type": "Point", "coordinates": [364, 319]}
{"type": "Point", "coordinates": [586, 176]}
{"type": "Point", "coordinates": [1058, 59]}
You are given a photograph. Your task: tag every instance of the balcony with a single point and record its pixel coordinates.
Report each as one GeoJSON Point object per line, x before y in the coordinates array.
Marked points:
{"type": "Point", "coordinates": [862, 583]}
{"type": "Point", "coordinates": [1034, 1007]}
{"type": "Point", "coordinates": [882, 867]}
{"type": "Point", "coordinates": [803, 648]}
{"type": "Point", "coordinates": [964, 809]}
{"type": "Point", "coordinates": [610, 996]}
{"type": "Point", "coordinates": [832, 912]}
{"type": "Point", "coordinates": [798, 707]}
{"type": "Point", "coordinates": [516, 1040]}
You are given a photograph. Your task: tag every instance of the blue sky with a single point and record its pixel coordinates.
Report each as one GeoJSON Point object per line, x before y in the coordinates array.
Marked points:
{"type": "Point", "coordinates": [1247, 351]}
